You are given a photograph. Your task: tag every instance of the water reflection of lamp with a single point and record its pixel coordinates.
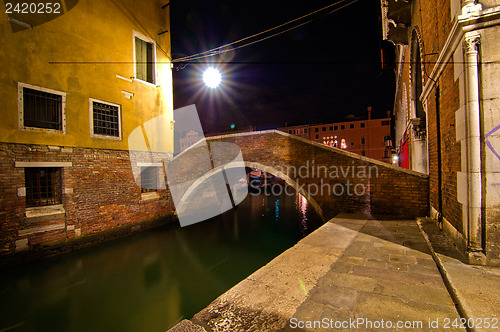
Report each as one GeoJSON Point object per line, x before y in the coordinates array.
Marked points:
{"type": "Point", "coordinates": [302, 205]}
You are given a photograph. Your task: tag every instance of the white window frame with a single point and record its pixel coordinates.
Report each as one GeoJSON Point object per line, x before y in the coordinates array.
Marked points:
{"type": "Point", "coordinates": [153, 42]}
{"type": "Point", "coordinates": [91, 120]}
{"type": "Point", "coordinates": [20, 108]}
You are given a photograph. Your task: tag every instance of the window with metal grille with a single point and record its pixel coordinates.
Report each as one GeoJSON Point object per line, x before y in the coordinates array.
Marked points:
{"type": "Point", "coordinates": [106, 119]}
{"type": "Point", "coordinates": [149, 179]}
{"type": "Point", "coordinates": [42, 109]}
{"type": "Point", "coordinates": [43, 186]}
{"type": "Point", "coordinates": [144, 60]}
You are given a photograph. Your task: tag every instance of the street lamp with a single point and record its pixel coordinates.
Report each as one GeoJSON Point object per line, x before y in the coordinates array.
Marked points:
{"type": "Point", "coordinates": [212, 77]}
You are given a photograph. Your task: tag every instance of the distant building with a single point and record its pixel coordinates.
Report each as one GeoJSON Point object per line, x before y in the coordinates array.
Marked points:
{"type": "Point", "coordinates": [370, 138]}
{"type": "Point", "coordinates": [190, 138]}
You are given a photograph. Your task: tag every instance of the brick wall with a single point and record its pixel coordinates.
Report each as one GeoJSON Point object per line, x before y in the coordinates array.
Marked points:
{"type": "Point", "coordinates": [100, 196]}
{"type": "Point", "coordinates": [432, 19]}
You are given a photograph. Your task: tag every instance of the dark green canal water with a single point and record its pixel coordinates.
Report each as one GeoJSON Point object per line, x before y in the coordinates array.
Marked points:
{"type": "Point", "coordinates": [151, 280]}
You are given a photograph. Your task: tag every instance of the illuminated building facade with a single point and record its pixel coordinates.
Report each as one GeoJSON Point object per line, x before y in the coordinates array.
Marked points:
{"type": "Point", "coordinates": [370, 137]}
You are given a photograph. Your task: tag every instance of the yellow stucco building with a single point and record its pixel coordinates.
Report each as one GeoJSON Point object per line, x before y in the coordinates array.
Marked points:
{"type": "Point", "coordinates": [75, 82]}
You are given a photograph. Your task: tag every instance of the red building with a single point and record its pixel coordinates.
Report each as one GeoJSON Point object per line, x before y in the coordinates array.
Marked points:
{"type": "Point", "coordinates": [370, 137]}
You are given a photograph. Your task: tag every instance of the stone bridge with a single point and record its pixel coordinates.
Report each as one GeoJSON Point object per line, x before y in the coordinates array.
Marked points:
{"type": "Point", "coordinates": [331, 179]}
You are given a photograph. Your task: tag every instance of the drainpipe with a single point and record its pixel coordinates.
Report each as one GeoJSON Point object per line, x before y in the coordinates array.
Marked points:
{"type": "Point", "coordinates": [475, 248]}
{"type": "Point", "coordinates": [439, 162]}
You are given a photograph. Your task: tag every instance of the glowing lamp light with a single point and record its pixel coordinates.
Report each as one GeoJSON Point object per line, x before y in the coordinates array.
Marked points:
{"type": "Point", "coordinates": [212, 77]}
{"type": "Point", "coordinates": [232, 126]}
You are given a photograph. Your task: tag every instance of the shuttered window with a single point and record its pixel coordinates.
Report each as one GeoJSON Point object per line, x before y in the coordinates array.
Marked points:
{"type": "Point", "coordinates": [144, 60]}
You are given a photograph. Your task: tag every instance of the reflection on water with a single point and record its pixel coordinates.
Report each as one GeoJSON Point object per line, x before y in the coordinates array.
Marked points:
{"type": "Point", "coordinates": [302, 207]}
{"type": "Point", "coordinates": [151, 280]}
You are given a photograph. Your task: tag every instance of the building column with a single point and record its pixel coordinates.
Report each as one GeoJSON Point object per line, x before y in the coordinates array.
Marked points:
{"type": "Point", "coordinates": [474, 236]}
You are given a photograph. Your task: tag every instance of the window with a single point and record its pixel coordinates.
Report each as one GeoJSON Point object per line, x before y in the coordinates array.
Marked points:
{"type": "Point", "coordinates": [351, 126]}
{"type": "Point", "coordinates": [331, 128]}
{"type": "Point", "coordinates": [385, 123]}
{"type": "Point", "coordinates": [144, 58]}
{"type": "Point", "coordinates": [362, 124]}
{"type": "Point", "coordinates": [317, 136]}
{"type": "Point", "coordinates": [41, 108]}
{"type": "Point", "coordinates": [316, 130]}
{"type": "Point", "coordinates": [105, 119]}
{"type": "Point", "coordinates": [149, 179]}
{"type": "Point", "coordinates": [342, 127]}
{"type": "Point", "coordinates": [305, 131]}
{"type": "Point", "coordinates": [324, 129]}
{"type": "Point", "coordinates": [290, 131]}
{"type": "Point", "coordinates": [43, 186]}
{"type": "Point", "coordinates": [335, 127]}
{"type": "Point", "coordinates": [362, 140]}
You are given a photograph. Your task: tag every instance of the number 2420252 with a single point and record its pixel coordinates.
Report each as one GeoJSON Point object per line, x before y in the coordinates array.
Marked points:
{"type": "Point", "coordinates": [33, 8]}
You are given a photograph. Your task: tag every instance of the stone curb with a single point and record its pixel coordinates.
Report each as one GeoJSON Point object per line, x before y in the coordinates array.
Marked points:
{"type": "Point", "coordinates": [452, 290]}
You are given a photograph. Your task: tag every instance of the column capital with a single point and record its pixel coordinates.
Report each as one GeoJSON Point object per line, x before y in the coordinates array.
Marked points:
{"type": "Point", "coordinates": [471, 40]}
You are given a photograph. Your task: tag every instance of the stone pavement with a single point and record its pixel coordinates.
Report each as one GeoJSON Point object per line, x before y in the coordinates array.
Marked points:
{"type": "Point", "coordinates": [361, 274]}
{"type": "Point", "coordinates": [476, 289]}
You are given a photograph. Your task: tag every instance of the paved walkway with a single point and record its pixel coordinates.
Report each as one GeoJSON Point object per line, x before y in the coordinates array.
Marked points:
{"type": "Point", "coordinates": [476, 289]}
{"type": "Point", "coordinates": [360, 274]}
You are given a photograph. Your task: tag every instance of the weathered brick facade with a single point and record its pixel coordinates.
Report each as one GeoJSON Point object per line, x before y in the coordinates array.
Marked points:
{"type": "Point", "coordinates": [446, 49]}
{"type": "Point", "coordinates": [100, 196]}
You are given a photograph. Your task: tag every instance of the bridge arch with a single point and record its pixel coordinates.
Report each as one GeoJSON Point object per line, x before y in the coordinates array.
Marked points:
{"type": "Point", "coordinates": [251, 164]}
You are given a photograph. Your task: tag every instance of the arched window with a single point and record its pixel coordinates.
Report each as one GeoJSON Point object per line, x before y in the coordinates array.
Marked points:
{"type": "Point", "coordinates": [416, 78]}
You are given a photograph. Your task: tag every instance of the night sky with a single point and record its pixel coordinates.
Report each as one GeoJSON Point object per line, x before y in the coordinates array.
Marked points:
{"type": "Point", "coordinates": [318, 73]}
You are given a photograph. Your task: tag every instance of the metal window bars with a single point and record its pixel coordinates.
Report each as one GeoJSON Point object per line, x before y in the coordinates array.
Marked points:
{"type": "Point", "coordinates": [106, 119]}
{"type": "Point", "coordinates": [149, 179]}
{"type": "Point", "coordinates": [43, 186]}
{"type": "Point", "coordinates": [42, 109]}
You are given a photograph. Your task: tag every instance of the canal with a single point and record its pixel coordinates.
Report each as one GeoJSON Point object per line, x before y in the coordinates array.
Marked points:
{"type": "Point", "coordinates": [150, 280]}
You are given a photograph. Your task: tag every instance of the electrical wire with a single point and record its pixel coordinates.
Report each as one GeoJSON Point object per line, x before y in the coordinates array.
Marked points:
{"type": "Point", "coordinates": [226, 48]}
